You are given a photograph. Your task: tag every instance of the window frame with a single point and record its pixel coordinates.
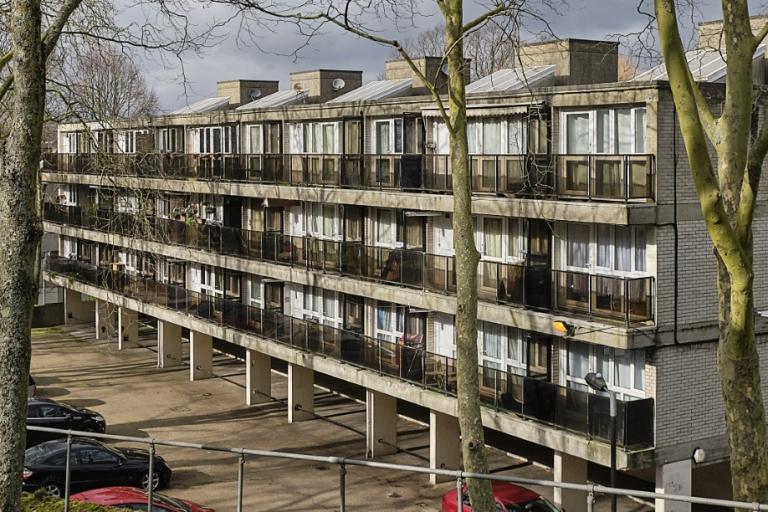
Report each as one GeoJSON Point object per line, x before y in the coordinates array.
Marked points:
{"type": "Point", "coordinates": [612, 130]}
{"type": "Point", "coordinates": [609, 360]}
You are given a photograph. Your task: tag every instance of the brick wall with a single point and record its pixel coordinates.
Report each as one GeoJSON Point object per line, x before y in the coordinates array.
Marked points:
{"type": "Point", "coordinates": [689, 404]}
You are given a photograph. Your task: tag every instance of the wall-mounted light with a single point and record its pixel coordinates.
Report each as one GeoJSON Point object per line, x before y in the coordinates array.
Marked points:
{"type": "Point", "coordinates": [563, 328]}
{"type": "Point", "coordinates": [699, 455]}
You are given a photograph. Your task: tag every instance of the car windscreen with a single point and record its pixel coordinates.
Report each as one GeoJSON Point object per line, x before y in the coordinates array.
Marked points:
{"type": "Point", "coordinates": [38, 454]}
{"type": "Point", "coordinates": [537, 505]}
{"type": "Point", "coordinates": [171, 502]}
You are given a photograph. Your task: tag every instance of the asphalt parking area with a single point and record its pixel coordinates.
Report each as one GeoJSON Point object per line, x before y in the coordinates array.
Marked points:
{"type": "Point", "coordinates": [139, 399]}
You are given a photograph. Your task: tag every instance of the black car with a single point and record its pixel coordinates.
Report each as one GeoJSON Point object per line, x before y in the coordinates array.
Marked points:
{"type": "Point", "coordinates": [42, 412]}
{"type": "Point", "coordinates": [92, 465]}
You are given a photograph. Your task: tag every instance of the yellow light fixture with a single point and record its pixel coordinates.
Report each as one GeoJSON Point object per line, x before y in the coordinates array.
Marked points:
{"type": "Point", "coordinates": [563, 328]}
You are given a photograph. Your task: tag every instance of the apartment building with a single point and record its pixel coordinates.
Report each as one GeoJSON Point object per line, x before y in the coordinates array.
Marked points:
{"type": "Point", "coordinates": [313, 225]}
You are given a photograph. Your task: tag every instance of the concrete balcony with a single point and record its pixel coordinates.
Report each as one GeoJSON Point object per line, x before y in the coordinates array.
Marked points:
{"type": "Point", "coordinates": [561, 418]}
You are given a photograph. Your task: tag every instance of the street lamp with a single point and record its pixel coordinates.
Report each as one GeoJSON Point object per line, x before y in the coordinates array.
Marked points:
{"type": "Point", "coordinates": [597, 382]}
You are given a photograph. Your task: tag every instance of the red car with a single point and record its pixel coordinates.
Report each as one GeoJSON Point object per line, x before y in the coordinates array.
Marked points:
{"type": "Point", "coordinates": [509, 498]}
{"type": "Point", "coordinates": [132, 498]}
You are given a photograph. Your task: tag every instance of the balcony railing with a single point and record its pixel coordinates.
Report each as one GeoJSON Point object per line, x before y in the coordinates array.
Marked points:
{"type": "Point", "coordinates": [605, 177]}
{"type": "Point", "coordinates": [617, 299]}
{"type": "Point", "coordinates": [588, 177]}
{"type": "Point", "coordinates": [561, 407]}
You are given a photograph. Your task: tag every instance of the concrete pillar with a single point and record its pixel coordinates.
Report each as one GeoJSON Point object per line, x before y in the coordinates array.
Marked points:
{"type": "Point", "coordinates": [674, 478]}
{"type": "Point", "coordinates": [258, 377]}
{"type": "Point", "coordinates": [200, 356]}
{"type": "Point", "coordinates": [444, 444]}
{"type": "Point", "coordinates": [75, 309]}
{"type": "Point", "coordinates": [568, 468]}
{"type": "Point", "coordinates": [106, 320]}
{"type": "Point", "coordinates": [127, 327]}
{"type": "Point", "coordinates": [380, 424]}
{"type": "Point", "coordinates": [168, 344]}
{"type": "Point", "coordinates": [301, 393]}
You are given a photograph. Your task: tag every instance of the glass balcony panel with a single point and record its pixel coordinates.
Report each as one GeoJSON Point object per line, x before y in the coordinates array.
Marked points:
{"type": "Point", "coordinates": [608, 298]}
{"type": "Point", "coordinates": [488, 280]}
{"type": "Point", "coordinates": [608, 181]}
{"type": "Point", "coordinates": [573, 175]}
{"type": "Point", "coordinates": [640, 168]}
{"type": "Point", "coordinates": [572, 291]}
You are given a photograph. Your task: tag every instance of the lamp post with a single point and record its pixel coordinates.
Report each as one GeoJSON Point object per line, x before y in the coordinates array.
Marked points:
{"type": "Point", "coordinates": [597, 382]}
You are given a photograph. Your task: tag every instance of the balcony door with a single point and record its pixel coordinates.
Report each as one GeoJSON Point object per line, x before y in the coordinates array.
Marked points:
{"type": "Point", "coordinates": [538, 285]}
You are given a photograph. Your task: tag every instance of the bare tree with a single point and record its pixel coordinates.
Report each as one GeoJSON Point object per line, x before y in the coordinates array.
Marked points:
{"type": "Point", "coordinates": [31, 32]}
{"type": "Point", "coordinates": [103, 81]}
{"type": "Point", "coordinates": [727, 193]}
{"type": "Point", "coordinates": [491, 47]}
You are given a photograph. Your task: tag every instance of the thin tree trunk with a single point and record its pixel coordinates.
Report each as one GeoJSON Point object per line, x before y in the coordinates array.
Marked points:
{"type": "Point", "coordinates": [20, 242]}
{"type": "Point", "coordinates": [467, 258]}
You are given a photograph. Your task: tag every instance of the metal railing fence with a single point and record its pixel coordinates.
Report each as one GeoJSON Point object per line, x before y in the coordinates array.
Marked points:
{"type": "Point", "coordinates": [343, 462]}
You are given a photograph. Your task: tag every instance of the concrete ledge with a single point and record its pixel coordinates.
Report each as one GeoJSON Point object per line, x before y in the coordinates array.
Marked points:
{"type": "Point", "coordinates": [511, 424]}
{"type": "Point", "coordinates": [574, 211]}
{"type": "Point", "coordinates": [593, 331]}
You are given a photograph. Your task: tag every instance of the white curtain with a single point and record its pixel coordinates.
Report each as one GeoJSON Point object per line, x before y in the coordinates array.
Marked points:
{"type": "Point", "coordinates": [442, 146]}
{"type": "Point", "coordinates": [603, 129]}
{"type": "Point", "coordinates": [577, 126]}
{"type": "Point", "coordinates": [604, 233]}
{"type": "Point", "coordinates": [640, 249]}
{"type": "Point", "coordinates": [577, 242]}
{"type": "Point", "coordinates": [383, 146]}
{"type": "Point", "coordinates": [255, 139]}
{"type": "Point", "coordinates": [296, 138]}
{"type": "Point", "coordinates": [515, 137]}
{"type": "Point", "coordinates": [639, 130]}
{"type": "Point", "coordinates": [624, 132]}
{"type": "Point", "coordinates": [492, 228]}
{"type": "Point", "coordinates": [492, 137]}
{"type": "Point", "coordinates": [623, 257]}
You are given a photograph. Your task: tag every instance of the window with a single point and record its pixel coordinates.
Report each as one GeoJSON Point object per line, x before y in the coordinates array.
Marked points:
{"type": "Point", "coordinates": [255, 139]}
{"type": "Point", "coordinates": [445, 335]}
{"type": "Point", "coordinates": [497, 239]}
{"type": "Point", "coordinates": [389, 321]}
{"type": "Point", "coordinates": [501, 348]}
{"type": "Point", "coordinates": [255, 292]}
{"type": "Point", "coordinates": [492, 229]}
{"type": "Point", "coordinates": [314, 138]}
{"type": "Point", "coordinates": [605, 131]}
{"type": "Point", "coordinates": [386, 227]}
{"type": "Point", "coordinates": [388, 136]}
{"type": "Point", "coordinates": [217, 139]}
{"type": "Point", "coordinates": [623, 370]}
{"type": "Point", "coordinates": [496, 135]}
{"type": "Point", "coordinates": [324, 220]}
{"type": "Point", "coordinates": [170, 140]}
{"type": "Point", "coordinates": [609, 248]}
{"type": "Point", "coordinates": [211, 281]}
{"type": "Point", "coordinates": [88, 456]}
{"type": "Point", "coordinates": [577, 246]}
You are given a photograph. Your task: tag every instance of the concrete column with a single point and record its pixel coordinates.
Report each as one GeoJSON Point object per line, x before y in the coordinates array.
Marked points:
{"type": "Point", "coordinates": [258, 377]}
{"type": "Point", "coordinates": [106, 320]}
{"type": "Point", "coordinates": [568, 468]}
{"type": "Point", "coordinates": [674, 478]}
{"type": "Point", "coordinates": [380, 424]}
{"type": "Point", "coordinates": [127, 327]}
{"type": "Point", "coordinates": [168, 344]}
{"type": "Point", "coordinates": [444, 444]}
{"type": "Point", "coordinates": [200, 356]}
{"type": "Point", "coordinates": [75, 309]}
{"type": "Point", "coordinates": [301, 393]}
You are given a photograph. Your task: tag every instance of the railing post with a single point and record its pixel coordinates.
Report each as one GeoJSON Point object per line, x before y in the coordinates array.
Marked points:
{"type": "Point", "coordinates": [496, 389]}
{"type": "Point", "coordinates": [590, 497]}
{"type": "Point", "coordinates": [240, 470]}
{"type": "Point", "coordinates": [459, 493]}
{"type": "Point", "coordinates": [625, 300]}
{"type": "Point", "coordinates": [151, 475]}
{"type": "Point", "coordinates": [496, 174]}
{"type": "Point", "coordinates": [342, 487]}
{"type": "Point", "coordinates": [378, 342]}
{"type": "Point", "coordinates": [67, 471]}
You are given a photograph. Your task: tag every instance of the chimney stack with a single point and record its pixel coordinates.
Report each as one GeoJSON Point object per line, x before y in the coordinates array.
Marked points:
{"type": "Point", "coordinates": [241, 92]}
{"type": "Point", "coordinates": [325, 84]}
{"type": "Point", "coordinates": [576, 61]}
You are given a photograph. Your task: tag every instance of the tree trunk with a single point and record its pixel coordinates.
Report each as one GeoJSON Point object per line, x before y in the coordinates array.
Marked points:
{"type": "Point", "coordinates": [20, 243]}
{"type": "Point", "coordinates": [467, 258]}
{"type": "Point", "coordinates": [739, 370]}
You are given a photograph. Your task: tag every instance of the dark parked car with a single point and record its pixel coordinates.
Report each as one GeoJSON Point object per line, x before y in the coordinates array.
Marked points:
{"type": "Point", "coordinates": [92, 465]}
{"type": "Point", "coordinates": [42, 412]}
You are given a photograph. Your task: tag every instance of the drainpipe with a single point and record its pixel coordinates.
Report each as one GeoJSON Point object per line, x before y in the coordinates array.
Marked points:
{"type": "Point", "coordinates": [674, 215]}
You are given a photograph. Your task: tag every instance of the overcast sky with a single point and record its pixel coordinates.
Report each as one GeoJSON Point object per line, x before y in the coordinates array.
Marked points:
{"type": "Point", "coordinates": [589, 19]}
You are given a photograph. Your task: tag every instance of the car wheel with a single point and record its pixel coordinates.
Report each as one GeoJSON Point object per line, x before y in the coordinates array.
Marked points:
{"type": "Point", "coordinates": [144, 482]}
{"type": "Point", "coordinates": [53, 489]}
